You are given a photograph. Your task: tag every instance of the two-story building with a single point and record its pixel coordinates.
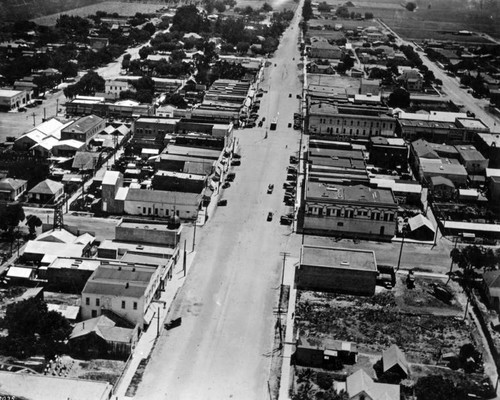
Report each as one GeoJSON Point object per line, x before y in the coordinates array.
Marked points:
{"type": "Point", "coordinates": [350, 211]}
{"type": "Point", "coordinates": [125, 289]}
{"type": "Point", "coordinates": [346, 121]}
{"type": "Point", "coordinates": [12, 189]}
{"type": "Point", "coordinates": [84, 129]}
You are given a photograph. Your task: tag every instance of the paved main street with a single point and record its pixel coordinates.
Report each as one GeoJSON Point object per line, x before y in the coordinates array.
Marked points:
{"type": "Point", "coordinates": [227, 302]}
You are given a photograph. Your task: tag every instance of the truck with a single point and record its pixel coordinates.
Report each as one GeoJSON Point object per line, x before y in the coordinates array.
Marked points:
{"type": "Point", "coordinates": [273, 125]}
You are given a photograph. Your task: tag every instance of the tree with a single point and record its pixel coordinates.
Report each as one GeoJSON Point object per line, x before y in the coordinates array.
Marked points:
{"type": "Point", "coordinates": [324, 7]}
{"type": "Point", "coordinates": [10, 216]}
{"type": "Point", "coordinates": [145, 51]}
{"type": "Point", "coordinates": [176, 100]}
{"type": "Point", "coordinates": [368, 15]}
{"type": "Point", "coordinates": [267, 7]}
{"type": "Point", "coordinates": [32, 327]}
{"type": "Point", "coordinates": [411, 6]}
{"type": "Point", "coordinates": [242, 47]}
{"type": "Point", "coordinates": [435, 387]}
{"type": "Point", "coordinates": [188, 19]}
{"type": "Point", "coordinates": [33, 222]}
{"type": "Point", "coordinates": [150, 28]}
{"type": "Point", "coordinates": [307, 11]}
{"type": "Point", "coordinates": [69, 70]}
{"type": "Point", "coordinates": [220, 6]}
{"type": "Point", "coordinates": [399, 98]}
{"type": "Point", "coordinates": [342, 12]}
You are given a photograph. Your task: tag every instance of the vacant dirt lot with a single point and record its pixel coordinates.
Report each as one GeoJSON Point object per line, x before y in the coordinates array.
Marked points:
{"type": "Point", "coordinates": [377, 322]}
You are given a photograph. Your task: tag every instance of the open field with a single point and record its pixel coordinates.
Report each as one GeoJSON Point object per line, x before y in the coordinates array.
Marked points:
{"type": "Point", "coordinates": [427, 23]}
{"type": "Point", "coordinates": [277, 5]}
{"type": "Point", "coordinates": [122, 8]}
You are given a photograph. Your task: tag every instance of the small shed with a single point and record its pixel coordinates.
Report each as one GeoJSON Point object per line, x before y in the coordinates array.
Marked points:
{"type": "Point", "coordinates": [421, 228]}
{"type": "Point", "coordinates": [324, 352]}
{"type": "Point", "coordinates": [20, 275]}
{"type": "Point", "coordinates": [394, 362]}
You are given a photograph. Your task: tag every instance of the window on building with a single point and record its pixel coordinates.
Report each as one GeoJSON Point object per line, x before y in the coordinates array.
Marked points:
{"type": "Point", "coordinates": [337, 130]}
{"type": "Point", "coordinates": [94, 313]}
{"type": "Point", "coordinates": [350, 131]}
{"type": "Point", "coordinates": [97, 302]}
{"type": "Point", "coordinates": [135, 305]}
{"type": "Point", "coordinates": [87, 301]}
{"type": "Point", "coordinates": [144, 210]}
{"type": "Point", "coordinates": [123, 304]}
{"type": "Point", "coordinates": [340, 224]}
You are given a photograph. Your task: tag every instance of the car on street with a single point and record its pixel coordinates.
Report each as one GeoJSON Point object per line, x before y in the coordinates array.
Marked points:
{"type": "Point", "coordinates": [288, 185]}
{"type": "Point", "coordinates": [250, 125]}
{"type": "Point", "coordinates": [260, 124]}
{"type": "Point", "coordinates": [235, 162]}
{"type": "Point", "coordinates": [230, 177]}
{"type": "Point", "coordinates": [222, 202]}
{"type": "Point", "coordinates": [286, 220]}
{"type": "Point", "coordinates": [226, 185]}
{"type": "Point", "coordinates": [259, 94]}
{"type": "Point", "coordinates": [289, 124]}
{"type": "Point", "coordinates": [270, 216]}
{"type": "Point", "coordinates": [270, 188]}
{"type": "Point", "coordinates": [22, 109]}
{"type": "Point", "coordinates": [294, 160]}
{"type": "Point", "coordinates": [263, 119]}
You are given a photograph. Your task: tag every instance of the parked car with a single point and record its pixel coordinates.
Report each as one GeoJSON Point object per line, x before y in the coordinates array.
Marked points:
{"type": "Point", "coordinates": [250, 125]}
{"type": "Point", "coordinates": [289, 124]}
{"type": "Point", "coordinates": [259, 94]}
{"type": "Point", "coordinates": [222, 202]}
{"type": "Point", "coordinates": [285, 220]}
{"type": "Point", "coordinates": [270, 188]}
{"type": "Point", "coordinates": [230, 177]}
{"type": "Point", "coordinates": [226, 185]}
{"type": "Point", "coordinates": [294, 160]}
{"type": "Point", "coordinates": [270, 216]}
{"type": "Point", "coordinates": [260, 124]}
{"type": "Point", "coordinates": [235, 162]}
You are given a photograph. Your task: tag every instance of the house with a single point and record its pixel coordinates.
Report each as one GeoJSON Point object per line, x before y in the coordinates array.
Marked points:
{"type": "Point", "coordinates": [11, 189]}
{"type": "Point", "coordinates": [98, 43]}
{"type": "Point", "coordinates": [46, 192]}
{"type": "Point", "coordinates": [442, 188]}
{"type": "Point", "coordinates": [412, 80]}
{"type": "Point", "coordinates": [324, 352]}
{"type": "Point", "coordinates": [394, 362]}
{"type": "Point", "coordinates": [102, 337]}
{"type": "Point", "coordinates": [115, 87]}
{"type": "Point", "coordinates": [12, 99]}
{"type": "Point", "coordinates": [329, 269]}
{"type": "Point", "coordinates": [421, 228]}
{"type": "Point", "coordinates": [370, 86]}
{"type": "Point", "coordinates": [360, 386]}
{"type": "Point", "coordinates": [489, 146]}
{"type": "Point", "coordinates": [345, 210]}
{"type": "Point", "coordinates": [20, 275]}
{"type": "Point", "coordinates": [491, 285]}
{"type": "Point", "coordinates": [126, 290]}
{"type": "Point", "coordinates": [84, 129]}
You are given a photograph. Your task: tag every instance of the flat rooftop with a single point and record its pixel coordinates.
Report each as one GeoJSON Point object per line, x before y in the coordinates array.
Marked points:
{"type": "Point", "coordinates": [332, 257]}
{"type": "Point", "coordinates": [151, 226]}
{"type": "Point", "coordinates": [43, 387]}
{"type": "Point", "coordinates": [316, 191]}
{"type": "Point", "coordinates": [9, 93]}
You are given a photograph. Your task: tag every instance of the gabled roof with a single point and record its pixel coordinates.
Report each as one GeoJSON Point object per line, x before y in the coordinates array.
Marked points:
{"type": "Point", "coordinates": [360, 382]}
{"type": "Point", "coordinates": [47, 187]}
{"type": "Point", "coordinates": [10, 184]}
{"type": "Point", "coordinates": [85, 160]}
{"type": "Point", "coordinates": [423, 149]}
{"type": "Point", "coordinates": [84, 124]}
{"type": "Point", "coordinates": [58, 236]}
{"type": "Point", "coordinates": [394, 356]}
{"type": "Point", "coordinates": [103, 327]}
{"type": "Point", "coordinates": [418, 221]}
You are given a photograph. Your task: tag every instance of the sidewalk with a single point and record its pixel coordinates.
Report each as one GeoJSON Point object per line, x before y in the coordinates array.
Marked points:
{"type": "Point", "coordinates": [148, 338]}
{"type": "Point", "coordinates": [289, 343]}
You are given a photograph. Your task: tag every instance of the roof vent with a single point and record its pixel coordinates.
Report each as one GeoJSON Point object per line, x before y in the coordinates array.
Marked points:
{"type": "Point", "coordinates": [344, 263]}
{"type": "Point", "coordinates": [140, 247]}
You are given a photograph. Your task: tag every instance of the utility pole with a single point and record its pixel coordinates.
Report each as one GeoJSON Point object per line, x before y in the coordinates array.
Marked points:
{"type": "Point", "coordinates": [401, 248]}
{"type": "Point", "coordinates": [184, 259]}
{"type": "Point", "coordinates": [57, 106]}
{"type": "Point", "coordinates": [33, 115]}
{"type": "Point", "coordinates": [194, 235]}
{"type": "Point", "coordinates": [451, 264]}
{"type": "Point", "coordinates": [44, 113]}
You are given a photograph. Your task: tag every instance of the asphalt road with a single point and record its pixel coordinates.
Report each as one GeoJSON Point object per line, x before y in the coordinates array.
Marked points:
{"type": "Point", "coordinates": [222, 348]}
